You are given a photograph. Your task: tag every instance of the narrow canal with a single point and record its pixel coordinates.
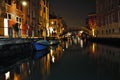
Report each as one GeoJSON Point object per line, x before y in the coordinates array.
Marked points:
{"type": "Point", "coordinates": [71, 60]}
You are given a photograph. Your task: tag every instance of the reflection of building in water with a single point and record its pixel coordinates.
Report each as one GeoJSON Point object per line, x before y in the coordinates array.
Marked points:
{"type": "Point", "coordinates": [28, 70]}
{"type": "Point", "coordinates": [108, 52]}
{"type": "Point", "coordinates": [64, 45]}
{"type": "Point", "coordinates": [74, 41]}
{"type": "Point", "coordinates": [56, 53]}
{"type": "Point", "coordinates": [106, 55]}
{"type": "Point", "coordinates": [19, 71]}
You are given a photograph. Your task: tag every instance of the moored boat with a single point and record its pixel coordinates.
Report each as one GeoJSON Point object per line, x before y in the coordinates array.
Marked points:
{"type": "Point", "coordinates": [38, 46]}
{"type": "Point", "coordinates": [53, 42]}
{"type": "Point", "coordinates": [43, 42]}
{"type": "Point", "coordinates": [48, 42]}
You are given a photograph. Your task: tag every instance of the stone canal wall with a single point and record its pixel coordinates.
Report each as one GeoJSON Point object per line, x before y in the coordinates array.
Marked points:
{"type": "Point", "coordinates": [15, 47]}
{"type": "Point", "coordinates": [107, 41]}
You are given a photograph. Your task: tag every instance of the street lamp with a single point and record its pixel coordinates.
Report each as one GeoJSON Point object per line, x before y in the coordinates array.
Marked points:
{"type": "Point", "coordinates": [27, 12]}
{"type": "Point", "coordinates": [24, 3]}
{"type": "Point", "coordinates": [52, 22]}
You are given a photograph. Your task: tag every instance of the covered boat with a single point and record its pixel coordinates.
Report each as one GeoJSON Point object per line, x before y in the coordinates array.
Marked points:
{"type": "Point", "coordinates": [38, 46]}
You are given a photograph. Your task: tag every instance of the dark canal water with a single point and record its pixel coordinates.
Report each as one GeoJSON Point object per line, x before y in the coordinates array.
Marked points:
{"type": "Point", "coordinates": [72, 60]}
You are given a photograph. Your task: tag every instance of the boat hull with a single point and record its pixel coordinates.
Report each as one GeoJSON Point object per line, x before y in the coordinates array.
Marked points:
{"type": "Point", "coordinates": [38, 47]}
{"type": "Point", "coordinates": [39, 54]}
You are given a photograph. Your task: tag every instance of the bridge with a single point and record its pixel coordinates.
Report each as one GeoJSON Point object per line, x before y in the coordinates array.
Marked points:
{"type": "Point", "coordinates": [85, 31]}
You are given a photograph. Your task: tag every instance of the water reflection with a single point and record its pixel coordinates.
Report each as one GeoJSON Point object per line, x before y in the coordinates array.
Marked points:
{"type": "Point", "coordinates": [36, 67]}
{"type": "Point", "coordinates": [78, 41]}
{"type": "Point", "coordinates": [80, 58]}
{"type": "Point", "coordinates": [107, 57]}
{"type": "Point", "coordinates": [41, 68]}
{"type": "Point", "coordinates": [56, 53]}
{"type": "Point", "coordinates": [14, 71]}
{"type": "Point", "coordinates": [108, 52]}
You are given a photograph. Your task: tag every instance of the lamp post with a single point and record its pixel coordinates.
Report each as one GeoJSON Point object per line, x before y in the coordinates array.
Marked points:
{"type": "Point", "coordinates": [52, 24]}
{"type": "Point", "coordinates": [27, 3]}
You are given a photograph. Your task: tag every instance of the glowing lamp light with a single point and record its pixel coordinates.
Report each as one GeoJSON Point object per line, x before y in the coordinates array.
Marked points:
{"type": "Point", "coordinates": [81, 43]}
{"type": "Point", "coordinates": [52, 22]}
{"type": "Point", "coordinates": [7, 75]}
{"type": "Point", "coordinates": [80, 32]}
{"type": "Point", "coordinates": [53, 59]}
{"type": "Point", "coordinates": [24, 3]}
{"type": "Point", "coordinates": [93, 48]}
{"type": "Point", "coordinates": [93, 32]}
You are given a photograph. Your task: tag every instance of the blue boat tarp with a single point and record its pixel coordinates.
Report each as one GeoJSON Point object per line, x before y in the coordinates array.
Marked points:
{"type": "Point", "coordinates": [48, 43]}
{"type": "Point", "coordinates": [44, 42]}
{"type": "Point", "coordinates": [38, 46]}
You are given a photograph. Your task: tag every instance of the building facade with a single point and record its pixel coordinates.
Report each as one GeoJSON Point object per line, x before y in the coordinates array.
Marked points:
{"type": "Point", "coordinates": [108, 18]}
{"type": "Point", "coordinates": [44, 18]}
{"type": "Point", "coordinates": [24, 18]}
{"type": "Point", "coordinates": [56, 26]}
{"type": "Point", "coordinates": [2, 15]}
{"type": "Point", "coordinates": [36, 17]}
{"type": "Point", "coordinates": [92, 23]}
{"type": "Point", "coordinates": [10, 16]}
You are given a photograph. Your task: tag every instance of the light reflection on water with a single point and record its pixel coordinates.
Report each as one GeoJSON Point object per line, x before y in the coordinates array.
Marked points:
{"type": "Point", "coordinates": [32, 69]}
{"type": "Point", "coordinates": [95, 61]}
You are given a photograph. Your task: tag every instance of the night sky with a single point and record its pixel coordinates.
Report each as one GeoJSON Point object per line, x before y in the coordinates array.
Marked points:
{"type": "Point", "coordinates": [73, 12]}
